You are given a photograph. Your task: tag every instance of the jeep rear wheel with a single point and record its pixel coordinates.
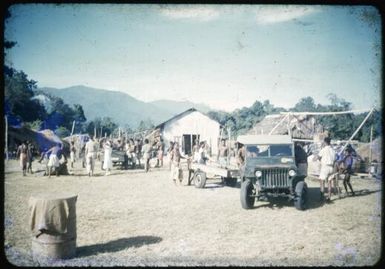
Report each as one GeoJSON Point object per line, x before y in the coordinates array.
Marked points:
{"type": "Point", "coordinates": [230, 181]}
{"type": "Point", "coordinates": [199, 179]}
{"type": "Point", "coordinates": [247, 200]}
{"type": "Point", "coordinates": [301, 195]}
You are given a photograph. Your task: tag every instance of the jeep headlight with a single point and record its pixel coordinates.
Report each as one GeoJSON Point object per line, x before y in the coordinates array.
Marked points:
{"type": "Point", "coordinates": [292, 173]}
{"type": "Point", "coordinates": [258, 173]}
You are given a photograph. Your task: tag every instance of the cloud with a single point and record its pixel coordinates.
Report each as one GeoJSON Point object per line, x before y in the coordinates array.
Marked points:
{"type": "Point", "coordinates": [198, 13]}
{"type": "Point", "coordinates": [276, 14]}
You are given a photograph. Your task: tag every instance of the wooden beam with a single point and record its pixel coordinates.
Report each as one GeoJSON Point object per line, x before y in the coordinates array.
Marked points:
{"type": "Point", "coordinates": [327, 113]}
{"type": "Point", "coordinates": [359, 127]}
{"type": "Point", "coordinates": [279, 123]}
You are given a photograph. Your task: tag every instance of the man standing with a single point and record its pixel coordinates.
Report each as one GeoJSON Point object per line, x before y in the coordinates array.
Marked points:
{"type": "Point", "coordinates": [137, 150]}
{"type": "Point", "coordinates": [241, 155]}
{"type": "Point", "coordinates": [223, 153]}
{"type": "Point", "coordinates": [146, 149]}
{"type": "Point", "coordinates": [160, 150]}
{"type": "Point", "coordinates": [54, 157]}
{"type": "Point", "coordinates": [22, 152]}
{"type": "Point", "coordinates": [90, 153]}
{"type": "Point", "coordinates": [327, 156]}
{"type": "Point", "coordinates": [176, 169]}
{"type": "Point", "coordinates": [300, 159]}
{"type": "Point", "coordinates": [347, 170]}
{"type": "Point", "coordinates": [30, 151]}
{"type": "Point", "coordinates": [72, 153]}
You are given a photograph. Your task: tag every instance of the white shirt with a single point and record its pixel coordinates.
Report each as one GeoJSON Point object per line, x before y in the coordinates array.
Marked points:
{"type": "Point", "coordinates": [91, 147]}
{"type": "Point", "coordinates": [328, 155]}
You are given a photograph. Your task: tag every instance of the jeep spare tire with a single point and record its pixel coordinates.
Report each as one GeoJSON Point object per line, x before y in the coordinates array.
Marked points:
{"type": "Point", "coordinates": [247, 201]}
{"type": "Point", "coordinates": [199, 179]}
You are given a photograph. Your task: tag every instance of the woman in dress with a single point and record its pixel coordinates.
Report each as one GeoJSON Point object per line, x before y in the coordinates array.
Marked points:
{"type": "Point", "coordinates": [107, 164]}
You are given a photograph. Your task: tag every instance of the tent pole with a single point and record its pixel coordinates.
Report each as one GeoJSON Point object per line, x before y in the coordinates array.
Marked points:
{"type": "Point", "coordinates": [73, 127]}
{"type": "Point", "coordinates": [6, 138]}
{"type": "Point", "coordinates": [288, 125]}
{"type": "Point", "coordinates": [359, 128]}
{"type": "Point", "coordinates": [370, 144]}
{"type": "Point", "coordinates": [279, 123]}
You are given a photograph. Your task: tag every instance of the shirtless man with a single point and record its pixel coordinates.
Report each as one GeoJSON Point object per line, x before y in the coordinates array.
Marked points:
{"type": "Point", "coordinates": [223, 153]}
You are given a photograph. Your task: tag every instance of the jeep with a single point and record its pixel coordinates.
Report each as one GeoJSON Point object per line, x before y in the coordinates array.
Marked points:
{"type": "Point", "coordinates": [269, 170]}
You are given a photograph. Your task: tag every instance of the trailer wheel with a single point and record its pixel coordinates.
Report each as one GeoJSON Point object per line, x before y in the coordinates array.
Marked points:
{"type": "Point", "coordinates": [301, 193]}
{"type": "Point", "coordinates": [247, 201]}
{"type": "Point", "coordinates": [230, 181]}
{"type": "Point", "coordinates": [199, 179]}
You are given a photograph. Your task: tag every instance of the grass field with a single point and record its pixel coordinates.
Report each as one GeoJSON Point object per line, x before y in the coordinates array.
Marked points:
{"type": "Point", "coordinates": [132, 218]}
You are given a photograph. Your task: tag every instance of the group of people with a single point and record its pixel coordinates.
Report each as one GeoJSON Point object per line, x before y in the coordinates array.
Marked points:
{"type": "Point", "coordinates": [333, 166]}
{"type": "Point", "coordinates": [25, 151]}
{"type": "Point", "coordinates": [199, 154]}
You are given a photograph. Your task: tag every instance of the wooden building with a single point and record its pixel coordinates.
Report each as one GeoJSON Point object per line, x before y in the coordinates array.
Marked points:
{"type": "Point", "coordinates": [188, 127]}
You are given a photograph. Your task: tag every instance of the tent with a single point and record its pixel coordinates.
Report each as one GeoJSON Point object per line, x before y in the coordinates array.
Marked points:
{"type": "Point", "coordinates": [41, 140]}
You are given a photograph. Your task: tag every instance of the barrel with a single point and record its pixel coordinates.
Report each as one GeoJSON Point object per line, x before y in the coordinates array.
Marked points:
{"type": "Point", "coordinates": [53, 226]}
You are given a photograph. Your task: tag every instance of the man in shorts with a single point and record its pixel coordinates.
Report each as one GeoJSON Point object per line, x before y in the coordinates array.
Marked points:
{"type": "Point", "coordinates": [327, 155]}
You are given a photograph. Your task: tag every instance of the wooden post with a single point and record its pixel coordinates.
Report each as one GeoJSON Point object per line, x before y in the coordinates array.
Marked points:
{"type": "Point", "coordinates": [228, 146]}
{"type": "Point", "coordinates": [288, 125]}
{"type": "Point", "coordinates": [95, 132]}
{"type": "Point", "coordinates": [279, 123]}
{"type": "Point", "coordinates": [101, 132]}
{"type": "Point", "coordinates": [191, 143]}
{"type": "Point", "coordinates": [370, 144]}
{"type": "Point", "coordinates": [73, 127]}
{"type": "Point", "coordinates": [6, 137]}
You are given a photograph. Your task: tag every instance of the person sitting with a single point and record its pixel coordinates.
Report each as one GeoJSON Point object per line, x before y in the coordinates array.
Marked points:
{"type": "Point", "coordinates": [252, 152]}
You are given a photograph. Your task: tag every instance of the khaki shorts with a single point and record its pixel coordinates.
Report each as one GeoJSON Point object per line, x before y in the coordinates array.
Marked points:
{"type": "Point", "coordinates": [326, 171]}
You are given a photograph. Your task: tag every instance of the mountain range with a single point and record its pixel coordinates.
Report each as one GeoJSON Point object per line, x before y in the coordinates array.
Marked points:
{"type": "Point", "coordinates": [121, 107]}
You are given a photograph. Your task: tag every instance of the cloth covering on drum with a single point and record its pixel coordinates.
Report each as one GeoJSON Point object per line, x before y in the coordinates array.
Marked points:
{"type": "Point", "coordinates": [49, 215]}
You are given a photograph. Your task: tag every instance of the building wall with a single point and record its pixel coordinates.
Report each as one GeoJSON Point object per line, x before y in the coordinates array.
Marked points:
{"type": "Point", "coordinates": [192, 123]}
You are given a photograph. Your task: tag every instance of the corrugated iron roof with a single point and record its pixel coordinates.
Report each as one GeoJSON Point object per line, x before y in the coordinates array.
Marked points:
{"type": "Point", "coordinates": [264, 139]}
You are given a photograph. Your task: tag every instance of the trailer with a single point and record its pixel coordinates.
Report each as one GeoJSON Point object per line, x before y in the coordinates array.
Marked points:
{"type": "Point", "coordinates": [202, 172]}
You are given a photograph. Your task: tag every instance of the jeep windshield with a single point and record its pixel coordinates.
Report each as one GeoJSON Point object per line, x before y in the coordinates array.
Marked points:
{"type": "Point", "coordinates": [279, 150]}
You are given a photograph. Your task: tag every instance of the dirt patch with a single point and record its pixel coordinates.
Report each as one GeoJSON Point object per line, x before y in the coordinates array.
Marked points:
{"type": "Point", "coordinates": [132, 218]}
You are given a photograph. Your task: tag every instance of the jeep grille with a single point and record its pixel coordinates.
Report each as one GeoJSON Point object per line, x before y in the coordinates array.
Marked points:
{"type": "Point", "coordinates": [275, 178]}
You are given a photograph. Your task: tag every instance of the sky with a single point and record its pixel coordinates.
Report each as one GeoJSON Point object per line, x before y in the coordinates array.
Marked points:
{"type": "Point", "coordinates": [225, 56]}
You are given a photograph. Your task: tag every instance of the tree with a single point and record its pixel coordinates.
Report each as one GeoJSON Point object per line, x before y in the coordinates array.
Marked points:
{"type": "Point", "coordinates": [62, 132]}
{"type": "Point", "coordinates": [18, 94]}
{"type": "Point", "coordinates": [105, 124]}
{"type": "Point", "coordinates": [305, 104]}
{"type": "Point", "coordinates": [145, 125]}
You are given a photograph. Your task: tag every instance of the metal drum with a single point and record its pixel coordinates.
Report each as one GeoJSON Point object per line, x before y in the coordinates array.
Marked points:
{"type": "Point", "coordinates": [53, 226]}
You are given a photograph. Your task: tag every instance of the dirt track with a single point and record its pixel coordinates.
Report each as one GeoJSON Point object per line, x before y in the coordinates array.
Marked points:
{"type": "Point", "coordinates": [134, 218]}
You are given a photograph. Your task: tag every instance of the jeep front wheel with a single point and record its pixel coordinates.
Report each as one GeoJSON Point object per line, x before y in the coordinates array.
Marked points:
{"type": "Point", "coordinates": [301, 195]}
{"type": "Point", "coordinates": [199, 179]}
{"type": "Point", "coordinates": [247, 200]}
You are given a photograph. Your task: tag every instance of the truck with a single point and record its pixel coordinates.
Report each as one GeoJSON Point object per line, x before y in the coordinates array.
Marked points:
{"type": "Point", "coordinates": [269, 170]}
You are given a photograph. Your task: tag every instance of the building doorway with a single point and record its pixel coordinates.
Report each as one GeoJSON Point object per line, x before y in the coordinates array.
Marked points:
{"type": "Point", "coordinates": [188, 142]}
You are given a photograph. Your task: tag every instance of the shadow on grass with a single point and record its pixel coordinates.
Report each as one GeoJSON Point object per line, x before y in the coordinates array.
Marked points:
{"type": "Point", "coordinates": [357, 193]}
{"type": "Point", "coordinates": [117, 245]}
{"type": "Point", "coordinates": [313, 200]}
